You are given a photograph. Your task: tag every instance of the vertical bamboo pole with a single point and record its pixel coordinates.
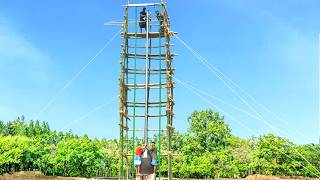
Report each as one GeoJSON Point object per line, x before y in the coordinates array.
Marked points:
{"type": "Point", "coordinates": [134, 93]}
{"type": "Point", "coordinates": [126, 111]}
{"type": "Point", "coordinates": [160, 102]}
{"type": "Point", "coordinates": [122, 95]}
{"type": "Point", "coordinates": [146, 90]}
{"type": "Point", "coordinates": [169, 87]}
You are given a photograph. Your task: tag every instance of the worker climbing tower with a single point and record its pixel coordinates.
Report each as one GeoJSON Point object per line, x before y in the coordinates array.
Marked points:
{"type": "Point", "coordinates": [146, 87]}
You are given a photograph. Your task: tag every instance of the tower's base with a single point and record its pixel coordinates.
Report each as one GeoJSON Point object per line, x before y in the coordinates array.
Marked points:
{"type": "Point", "coordinates": [146, 177]}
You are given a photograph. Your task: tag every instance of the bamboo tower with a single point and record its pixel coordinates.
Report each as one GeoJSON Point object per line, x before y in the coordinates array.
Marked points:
{"type": "Point", "coordinates": [146, 86]}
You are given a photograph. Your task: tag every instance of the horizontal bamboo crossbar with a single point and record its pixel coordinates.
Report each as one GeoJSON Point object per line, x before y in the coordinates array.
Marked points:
{"type": "Point", "coordinates": [163, 115]}
{"type": "Point", "coordinates": [149, 70]}
{"type": "Point", "coordinates": [144, 35]}
{"type": "Point", "coordinates": [149, 55]}
{"type": "Point", "coordinates": [143, 47]}
{"type": "Point", "coordinates": [153, 87]}
{"type": "Point", "coordinates": [140, 106]}
{"type": "Point", "coordinates": [150, 58]}
{"type": "Point", "coordinates": [148, 130]}
{"type": "Point", "coordinates": [150, 73]}
{"type": "Point", "coordinates": [163, 102]}
{"type": "Point", "coordinates": [144, 58]}
{"type": "Point", "coordinates": [142, 4]}
{"type": "Point", "coordinates": [144, 85]}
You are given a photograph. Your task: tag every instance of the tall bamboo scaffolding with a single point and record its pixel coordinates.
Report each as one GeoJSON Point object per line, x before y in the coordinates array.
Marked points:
{"type": "Point", "coordinates": [157, 74]}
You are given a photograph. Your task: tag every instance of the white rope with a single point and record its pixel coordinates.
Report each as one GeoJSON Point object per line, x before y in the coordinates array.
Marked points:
{"type": "Point", "coordinates": [239, 122]}
{"type": "Point", "coordinates": [75, 121]}
{"type": "Point", "coordinates": [220, 74]}
{"type": "Point", "coordinates": [199, 57]}
{"type": "Point", "coordinates": [229, 104]}
{"type": "Point", "coordinates": [217, 72]}
{"type": "Point", "coordinates": [54, 98]}
{"type": "Point", "coordinates": [216, 98]}
{"type": "Point", "coordinates": [226, 84]}
{"type": "Point", "coordinates": [256, 102]}
{"type": "Point", "coordinates": [278, 117]}
{"type": "Point", "coordinates": [205, 62]}
{"type": "Point", "coordinates": [213, 105]}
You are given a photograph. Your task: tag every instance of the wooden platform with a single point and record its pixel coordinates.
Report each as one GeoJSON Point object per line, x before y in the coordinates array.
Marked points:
{"type": "Point", "coordinates": [143, 4]}
{"type": "Point", "coordinates": [143, 35]}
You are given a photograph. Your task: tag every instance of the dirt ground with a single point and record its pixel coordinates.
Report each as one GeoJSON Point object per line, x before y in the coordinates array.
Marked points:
{"type": "Point", "coordinates": [33, 175]}
{"type": "Point", "coordinates": [263, 177]}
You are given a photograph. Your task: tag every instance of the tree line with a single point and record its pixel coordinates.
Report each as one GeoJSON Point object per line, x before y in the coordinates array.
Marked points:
{"type": "Point", "coordinates": [207, 150]}
{"type": "Point", "coordinates": [26, 146]}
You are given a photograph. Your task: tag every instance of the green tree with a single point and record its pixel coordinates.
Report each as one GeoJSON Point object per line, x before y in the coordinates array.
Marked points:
{"type": "Point", "coordinates": [275, 156]}
{"type": "Point", "coordinates": [209, 130]}
{"type": "Point", "coordinates": [203, 151]}
{"type": "Point", "coordinates": [311, 153]}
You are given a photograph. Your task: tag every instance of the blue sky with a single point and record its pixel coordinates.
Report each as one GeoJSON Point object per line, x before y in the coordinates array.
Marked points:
{"type": "Point", "coordinates": [268, 47]}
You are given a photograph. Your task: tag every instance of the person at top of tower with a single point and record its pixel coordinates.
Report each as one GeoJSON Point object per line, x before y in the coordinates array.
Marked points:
{"type": "Point", "coordinates": [160, 19]}
{"type": "Point", "coordinates": [143, 20]}
{"type": "Point", "coordinates": [137, 158]}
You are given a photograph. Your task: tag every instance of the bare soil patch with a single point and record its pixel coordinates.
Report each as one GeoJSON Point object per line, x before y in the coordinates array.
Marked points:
{"type": "Point", "coordinates": [263, 177]}
{"type": "Point", "coordinates": [34, 175]}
